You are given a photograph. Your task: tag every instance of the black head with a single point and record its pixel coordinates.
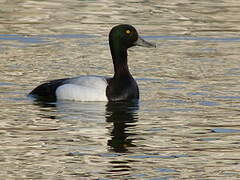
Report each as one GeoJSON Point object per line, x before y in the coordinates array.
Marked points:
{"type": "Point", "coordinates": [122, 87]}
{"type": "Point", "coordinates": [126, 36]}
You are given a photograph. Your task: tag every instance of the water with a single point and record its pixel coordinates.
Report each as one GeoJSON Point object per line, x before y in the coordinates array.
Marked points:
{"type": "Point", "coordinates": [186, 125]}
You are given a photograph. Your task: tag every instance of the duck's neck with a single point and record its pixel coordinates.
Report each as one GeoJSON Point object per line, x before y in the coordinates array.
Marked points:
{"type": "Point", "coordinates": [120, 62]}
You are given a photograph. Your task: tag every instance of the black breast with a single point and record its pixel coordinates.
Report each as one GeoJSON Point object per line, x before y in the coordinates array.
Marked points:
{"type": "Point", "coordinates": [122, 89]}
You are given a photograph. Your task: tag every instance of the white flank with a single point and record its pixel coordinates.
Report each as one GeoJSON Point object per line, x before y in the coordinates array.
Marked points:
{"type": "Point", "coordinates": [83, 88]}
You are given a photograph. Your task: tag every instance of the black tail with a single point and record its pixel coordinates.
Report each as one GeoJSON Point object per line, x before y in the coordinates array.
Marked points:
{"type": "Point", "coordinates": [47, 91]}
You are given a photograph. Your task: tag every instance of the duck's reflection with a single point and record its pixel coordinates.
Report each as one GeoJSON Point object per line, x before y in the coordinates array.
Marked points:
{"type": "Point", "coordinates": [123, 116]}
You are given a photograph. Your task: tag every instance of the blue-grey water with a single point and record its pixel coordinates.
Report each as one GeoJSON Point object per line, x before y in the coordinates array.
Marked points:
{"type": "Point", "coordinates": [186, 125]}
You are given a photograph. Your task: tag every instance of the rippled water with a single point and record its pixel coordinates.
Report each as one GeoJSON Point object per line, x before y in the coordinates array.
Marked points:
{"type": "Point", "coordinates": [186, 125]}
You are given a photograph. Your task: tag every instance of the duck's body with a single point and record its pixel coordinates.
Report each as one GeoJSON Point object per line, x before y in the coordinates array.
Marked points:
{"type": "Point", "coordinates": [121, 87]}
{"type": "Point", "coordinates": [82, 88]}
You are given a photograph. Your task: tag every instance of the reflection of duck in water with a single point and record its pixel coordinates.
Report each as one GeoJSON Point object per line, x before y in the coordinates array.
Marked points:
{"type": "Point", "coordinates": [121, 86]}
{"type": "Point", "coordinates": [123, 115]}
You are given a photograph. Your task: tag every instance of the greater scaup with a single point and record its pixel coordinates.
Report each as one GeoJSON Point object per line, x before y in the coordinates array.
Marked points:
{"type": "Point", "coordinates": [121, 87]}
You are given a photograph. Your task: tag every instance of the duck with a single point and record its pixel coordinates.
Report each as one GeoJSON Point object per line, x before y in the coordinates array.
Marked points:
{"type": "Point", "coordinates": [121, 87]}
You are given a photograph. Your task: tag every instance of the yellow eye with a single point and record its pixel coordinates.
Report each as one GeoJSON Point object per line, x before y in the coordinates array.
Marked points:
{"type": "Point", "coordinates": [128, 31]}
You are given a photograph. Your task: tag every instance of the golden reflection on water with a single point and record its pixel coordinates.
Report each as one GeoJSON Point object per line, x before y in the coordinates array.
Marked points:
{"type": "Point", "coordinates": [186, 124]}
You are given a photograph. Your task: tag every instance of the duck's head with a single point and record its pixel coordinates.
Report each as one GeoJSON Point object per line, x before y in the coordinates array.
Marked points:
{"type": "Point", "coordinates": [125, 36]}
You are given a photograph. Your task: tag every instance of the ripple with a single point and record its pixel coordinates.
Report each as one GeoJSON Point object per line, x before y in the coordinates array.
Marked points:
{"type": "Point", "coordinates": [165, 170]}
{"type": "Point", "coordinates": [227, 97]}
{"type": "Point", "coordinates": [228, 39]}
{"type": "Point", "coordinates": [204, 59]}
{"type": "Point", "coordinates": [22, 39]}
{"type": "Point", "coordinates": [176, 82]}
{"type": "Point", "coordinates": [173, 88]}
{"type": "Point", "coordinates": [156, 129]}
{"type": "Point", "coordinates": [163, 178]}
{"type": "Point", "coordinates": [223, 130]}
{"type": "Point", "coordinates": [197, 93]}
{"type": "Point", "coordinates": [40, 39]}
{"type": "Point", "coordinates": [67, 36]}
{"type": "Point", "coordinates": [176, 101]}
{"type": "Point", "coordinates": [207, 139]}
{"type": "Point", "coordinates": [177, 109]}
{"type": "Point", "coordinates": [208, 103]}
{"type": "Point", "coordinates": [157, 156]}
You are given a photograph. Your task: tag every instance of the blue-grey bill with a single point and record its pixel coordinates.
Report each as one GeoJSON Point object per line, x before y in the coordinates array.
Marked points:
{"type": "Point", "coordinates": [142, 42]}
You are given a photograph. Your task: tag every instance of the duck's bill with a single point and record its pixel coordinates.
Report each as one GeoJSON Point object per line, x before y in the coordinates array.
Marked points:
{"type": "Point", "coordinates": [142, 42]}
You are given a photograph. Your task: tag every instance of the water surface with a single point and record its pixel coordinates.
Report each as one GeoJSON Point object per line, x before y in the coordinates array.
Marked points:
{"type": "Point", "coordinates": [186, 125]}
